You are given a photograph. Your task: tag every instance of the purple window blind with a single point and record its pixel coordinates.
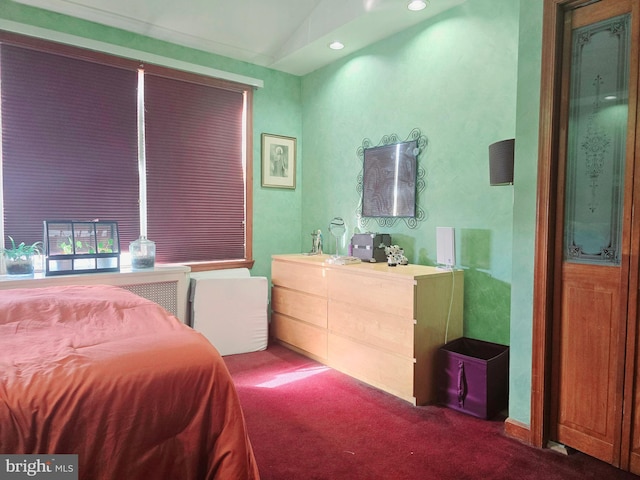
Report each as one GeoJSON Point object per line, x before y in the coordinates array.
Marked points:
{"type": "Point", "coordinates": [195, 171]}
{"type": "Point", "coordinates": [69, 143]}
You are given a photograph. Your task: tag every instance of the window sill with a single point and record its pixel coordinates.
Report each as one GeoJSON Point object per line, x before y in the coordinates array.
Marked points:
{"type": "Point", "coordinates": [221, 265]}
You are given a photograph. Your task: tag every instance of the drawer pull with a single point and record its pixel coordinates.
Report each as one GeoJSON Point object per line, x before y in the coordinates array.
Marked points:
{"type": "Point", "coordinates": [462, 384]}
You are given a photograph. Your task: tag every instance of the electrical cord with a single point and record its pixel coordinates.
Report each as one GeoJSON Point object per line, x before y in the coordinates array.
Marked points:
{"type": "Point", "coordinates": [453, 284]}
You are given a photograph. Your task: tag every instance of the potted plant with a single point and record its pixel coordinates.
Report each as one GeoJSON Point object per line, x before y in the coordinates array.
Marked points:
{"type": "Point", "coordinates": [19, 258]}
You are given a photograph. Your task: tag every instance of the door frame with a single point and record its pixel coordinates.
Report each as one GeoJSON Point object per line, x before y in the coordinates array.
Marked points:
{"type": "Point", "coordinates": [543, 272]}
{"type": "Point", "coordinates": [546, 278]}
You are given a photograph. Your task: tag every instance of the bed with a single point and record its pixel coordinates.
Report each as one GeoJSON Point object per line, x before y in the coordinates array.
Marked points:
{"type": "Point", "coordinates": [102, 373]}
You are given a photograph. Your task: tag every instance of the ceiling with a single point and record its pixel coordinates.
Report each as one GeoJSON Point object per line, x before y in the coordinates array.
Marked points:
{"type": "Point", "coordinates": [287, 35]}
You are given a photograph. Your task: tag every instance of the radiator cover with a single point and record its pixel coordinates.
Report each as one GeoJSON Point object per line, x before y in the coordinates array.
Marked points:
{"type": "Point", "coordinates": [167, 286]}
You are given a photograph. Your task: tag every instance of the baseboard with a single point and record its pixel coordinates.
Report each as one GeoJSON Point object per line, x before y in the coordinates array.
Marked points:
{"type": "Point", "coordinates": [517, 430]}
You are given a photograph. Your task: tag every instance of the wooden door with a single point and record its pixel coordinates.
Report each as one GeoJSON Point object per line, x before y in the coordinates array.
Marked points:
{"type": "Point", "coordinates": [593, 261]}
{"type": "Point", "coordinates": [631, 431]}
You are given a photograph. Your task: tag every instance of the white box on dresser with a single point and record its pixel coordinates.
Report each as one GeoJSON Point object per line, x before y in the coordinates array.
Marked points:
{"type": "Point", "coordinates": [380, 324]}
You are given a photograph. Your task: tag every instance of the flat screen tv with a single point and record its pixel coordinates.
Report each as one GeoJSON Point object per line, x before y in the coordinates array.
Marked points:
{"type": "Point", "coordinates": [389, 180]}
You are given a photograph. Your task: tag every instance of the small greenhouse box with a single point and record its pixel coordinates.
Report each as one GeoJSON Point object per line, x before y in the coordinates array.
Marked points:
{"type": "Point", "coordinates": [473, 377]}
{"type": "Point", "coordinates": [81, 247]}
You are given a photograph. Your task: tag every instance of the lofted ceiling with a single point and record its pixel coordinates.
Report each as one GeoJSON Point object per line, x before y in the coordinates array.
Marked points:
{"type": "Point", "coordinates": [287, 35]}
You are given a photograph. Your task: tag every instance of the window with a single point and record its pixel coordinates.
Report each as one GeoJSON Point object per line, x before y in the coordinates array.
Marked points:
{"type": "Point", "coordinates": [82, 138]}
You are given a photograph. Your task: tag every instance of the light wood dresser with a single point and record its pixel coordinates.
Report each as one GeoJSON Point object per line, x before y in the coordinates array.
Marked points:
{"type": "Point", "coordinates": [382, 325]}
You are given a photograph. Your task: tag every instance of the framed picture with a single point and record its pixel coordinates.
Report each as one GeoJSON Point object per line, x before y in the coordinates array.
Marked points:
{"type": "Point", "coordinates": [278, 161]}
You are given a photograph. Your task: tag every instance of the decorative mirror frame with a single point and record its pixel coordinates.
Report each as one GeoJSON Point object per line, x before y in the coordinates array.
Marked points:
{"type": "Point", "coordinates": [411, 222]}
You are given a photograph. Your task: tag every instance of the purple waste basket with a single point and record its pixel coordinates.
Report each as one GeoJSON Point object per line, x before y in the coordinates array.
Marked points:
{"type": "Point", "coordinates": [473, 377]}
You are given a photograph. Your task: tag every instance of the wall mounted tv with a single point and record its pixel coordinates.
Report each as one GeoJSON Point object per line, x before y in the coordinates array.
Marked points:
{"type": "Point", "coordinates": [389, 180]}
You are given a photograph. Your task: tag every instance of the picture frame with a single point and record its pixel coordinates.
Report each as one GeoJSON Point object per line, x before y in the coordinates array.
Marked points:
{"type": "Point", "coordinates": [278, 161]}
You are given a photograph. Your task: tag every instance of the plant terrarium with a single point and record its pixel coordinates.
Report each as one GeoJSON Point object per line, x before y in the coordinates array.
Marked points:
{"type": "Point", "coordinates": [18, 259]}
{"type": "Point", "coordinates": [81, 247]}
{"type": "Point", "coordinates": [143, 253]}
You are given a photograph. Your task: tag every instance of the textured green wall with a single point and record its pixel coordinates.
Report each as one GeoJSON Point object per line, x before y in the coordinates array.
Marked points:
{"type": "Point", "coordinates": [524, 217]}
{"type": "Point", "coordinates": [277, 109]}
{"type": "Point", "coordinates": [453, 77]}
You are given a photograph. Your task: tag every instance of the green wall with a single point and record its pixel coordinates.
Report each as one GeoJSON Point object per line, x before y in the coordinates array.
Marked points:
{"type": "Point", "coordinates": [466, 79]}
{"type": "Point", "coordinates": [454, 77]}
{"type": "Point", "coordinates": [524, 217]}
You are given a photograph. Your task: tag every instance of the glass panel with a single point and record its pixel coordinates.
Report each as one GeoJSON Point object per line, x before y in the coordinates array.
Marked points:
{"type": "Point", "coordinates": [596, 142]}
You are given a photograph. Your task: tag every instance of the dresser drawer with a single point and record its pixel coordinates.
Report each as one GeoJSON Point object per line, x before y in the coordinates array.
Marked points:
{"type": "Point", "coordinates": [387, 371]}
{"type": "Point", "coordinates": [383, 330]}
{"type": "Point", "coordinates": [301, 335]}
{"type": "Point", "coordinates": [300, 305]}
{"type": "Point", "coordinates": [374, 292]}
{"type": "Point", "coordinates": [305, 278]}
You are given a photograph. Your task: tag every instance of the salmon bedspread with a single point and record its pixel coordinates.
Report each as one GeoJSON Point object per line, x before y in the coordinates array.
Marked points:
{"type": "Point", "coordinates": [102, 373]}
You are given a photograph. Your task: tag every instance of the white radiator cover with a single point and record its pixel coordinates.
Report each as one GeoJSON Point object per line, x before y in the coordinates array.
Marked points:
{"type": "Point", "coordinates": [167, 286]}
{"type": "Point", "coordinates": [164, 294]}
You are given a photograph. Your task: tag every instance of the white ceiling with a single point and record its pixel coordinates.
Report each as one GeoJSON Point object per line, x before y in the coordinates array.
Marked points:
{"type": "Point", "coordinates": [287, 35]}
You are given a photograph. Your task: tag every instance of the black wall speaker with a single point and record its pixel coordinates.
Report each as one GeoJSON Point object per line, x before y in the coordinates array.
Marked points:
{"type": "Point", "coordinates": [501, 162]}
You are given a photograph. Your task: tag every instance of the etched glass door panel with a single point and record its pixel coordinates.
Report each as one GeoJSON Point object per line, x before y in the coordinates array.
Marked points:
{"type": "Point", "coordinates": [598, 109]}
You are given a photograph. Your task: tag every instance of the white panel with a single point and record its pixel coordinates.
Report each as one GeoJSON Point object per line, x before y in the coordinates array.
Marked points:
{"type": "Point", "coordinates": [445, 246]}
{"type": "Point", "coordinates": [229, 307]}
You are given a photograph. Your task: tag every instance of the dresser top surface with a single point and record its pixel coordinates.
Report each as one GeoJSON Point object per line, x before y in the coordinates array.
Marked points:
{"type": "Point", "coordinates": [366, 268]}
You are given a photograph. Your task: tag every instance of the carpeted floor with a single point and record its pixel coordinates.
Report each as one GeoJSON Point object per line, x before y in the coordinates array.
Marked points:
{"type": "Point", "coordinates": [309, 422]}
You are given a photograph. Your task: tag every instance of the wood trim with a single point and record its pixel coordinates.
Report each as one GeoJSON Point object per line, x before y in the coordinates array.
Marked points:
{"type": "Point", "coordinates": [517, 430]}
{"type": "Point", "coordinates": [633, 143]}
{"type": "Point", "coordinates": [248, 182]}
{"type": "Point", "coordinates": [545, 220]}
{"type": "Point", "coordinates": [559, 172]}
{"type": "Point", "coordinates": [548, 146]}
{"type": "Point", "coordinates": [70, 51]}
{"type": "Point", "coordinates": [223, 265]}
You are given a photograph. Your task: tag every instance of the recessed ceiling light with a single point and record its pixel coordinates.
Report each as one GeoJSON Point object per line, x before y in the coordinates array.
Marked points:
{"type": "Point", "coordinates": [417, 5]}
{"type": "Point", "coordinates": [336, 45]}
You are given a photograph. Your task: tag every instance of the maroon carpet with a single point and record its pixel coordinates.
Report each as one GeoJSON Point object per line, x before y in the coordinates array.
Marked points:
{"type": "Point", "coordinates": [308, 422]}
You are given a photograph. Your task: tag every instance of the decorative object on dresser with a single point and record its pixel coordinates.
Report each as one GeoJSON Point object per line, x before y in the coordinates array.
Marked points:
{"type": "Point", "coordinates": [380, 324]}
{"type": "Point", "coordinates": [446, 246]}
{"type": "Point", "coordinates": [369, 247]}
{"type": "Point", "coordinates": [395, 256]}
{"type": "Point", "coordinates": [316, 242]}
{"type": "Point", "coordinates": [338, 230]}
{"type": "Point", "coordinates": [81, 247]}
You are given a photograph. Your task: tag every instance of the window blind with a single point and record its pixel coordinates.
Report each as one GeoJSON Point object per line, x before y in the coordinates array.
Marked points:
{"type": "Point", "coordinates": [69, 142]}
{"type": "Point", "coordinates": [195, 170]}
